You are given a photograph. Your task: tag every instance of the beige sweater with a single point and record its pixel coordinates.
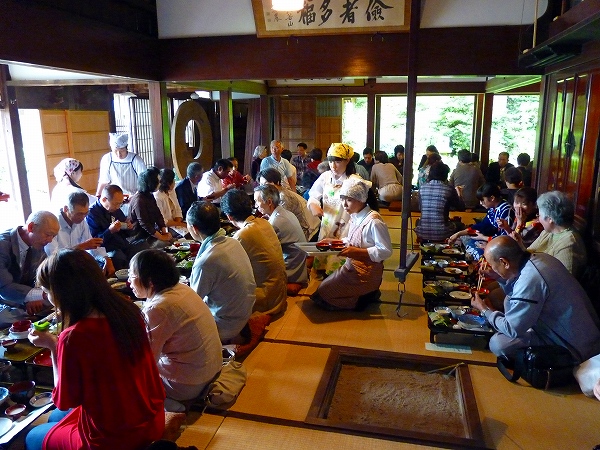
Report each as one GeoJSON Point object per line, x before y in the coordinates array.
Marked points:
{"type": "Point", "coordinates": [566, 246]}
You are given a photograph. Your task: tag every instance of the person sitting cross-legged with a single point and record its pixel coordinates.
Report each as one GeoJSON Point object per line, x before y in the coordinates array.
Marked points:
{"type": "Point", "coordinates": [182, 332]}
{"type": "Point", "coordinates": [222, 274]}
{"type": "Point", "coordinates": [74, 232]}
{"type": "Point", "coordinates": [187, 189]}
{"type": "Point", "coordinates": [293, 202]}
{"type": "Point", "coordinates": [21, 252]}
{"type": "Point", "coordinates": [288, 230]}
{"type": "Point", "coordinates": [258, 238]}
{"type": "Point", "coordinates": [106, 220]}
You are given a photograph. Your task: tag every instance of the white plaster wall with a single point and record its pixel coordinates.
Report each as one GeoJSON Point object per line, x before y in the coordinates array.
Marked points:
{"type": "Point", "coordinates": [192, 18]}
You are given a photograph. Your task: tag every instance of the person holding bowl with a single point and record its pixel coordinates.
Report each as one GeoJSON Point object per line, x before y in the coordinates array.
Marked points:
{"type": "Point", "coordinates": [368, 244]}
{"type": "Point", "coordinates": [107, 388]}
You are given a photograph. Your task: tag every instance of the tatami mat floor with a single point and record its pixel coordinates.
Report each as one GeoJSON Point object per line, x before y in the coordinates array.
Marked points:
{"type": "Point", "coordinates": [285, 369]}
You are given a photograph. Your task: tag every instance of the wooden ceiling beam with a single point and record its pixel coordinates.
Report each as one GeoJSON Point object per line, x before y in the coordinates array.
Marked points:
{"type": "Point", "coordinates": [447, 88]}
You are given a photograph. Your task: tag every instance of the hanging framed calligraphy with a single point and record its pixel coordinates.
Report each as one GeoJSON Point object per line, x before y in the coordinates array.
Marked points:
{"type": "Point", "coordinates": [333, 17]}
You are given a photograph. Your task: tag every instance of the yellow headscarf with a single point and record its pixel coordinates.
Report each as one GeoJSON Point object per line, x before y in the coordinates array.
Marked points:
{"type": "Point", "coordinates": [339, 150]}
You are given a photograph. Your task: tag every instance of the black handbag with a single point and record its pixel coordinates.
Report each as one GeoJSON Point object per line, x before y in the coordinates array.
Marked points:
{"type": "Point", "coordinates": [542, 366]}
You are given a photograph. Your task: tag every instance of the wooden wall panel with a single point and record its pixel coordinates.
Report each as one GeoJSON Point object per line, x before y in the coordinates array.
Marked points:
{"type": "Point", "coordinates": [329, 130]}
{"type": "Point", "coordinates": [296, 122]}
{"type": "Point", "coordinates": [77, 134]}
{"type": "Point", "coordinates": [88, 121]}
{"type": "Point", "coordinates": [570, 143]}
{"type": "Point", "coordinates": [53, 122]}
{"type": "Point", "coordinates": [56, 144]}
{"type": "Point", "coordinates": [585, 200]}
{"type": "Point", "coordinates": [574, 149]}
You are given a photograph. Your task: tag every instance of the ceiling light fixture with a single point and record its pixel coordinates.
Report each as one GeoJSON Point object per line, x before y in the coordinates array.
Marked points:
{"type": "Point", "coordinates": [288, 5]}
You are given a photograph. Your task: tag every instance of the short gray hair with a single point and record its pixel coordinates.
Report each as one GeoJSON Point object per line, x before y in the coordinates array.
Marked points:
{"type": "Point", "coordinates": [77, 198]}
{"type": "Point", "coordinates": [40, 218]}
{"type": "Point", "coordinates": [193, 169]}
{"type": "Point", "coordinates": [268, 191]}
{"type": "Point", "coordinates": [259, 150]}
{"type": "Point", "coordinates": [558, 207]}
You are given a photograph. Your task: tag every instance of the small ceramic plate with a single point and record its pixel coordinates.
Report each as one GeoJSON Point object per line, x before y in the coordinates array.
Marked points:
{"type": "Point", "coordinates": [451, 251]}
{"type": "Point", "coordinates": [40, 400]}
{"type": "Point", "coordinates": [470, 321]}
{"type": "Point", "coordinates": [442, 310]}
{"type": "Point", "coordinates": [18, 335]}
{"type": "Point", "coordinates": [122, 274]}
{"type": "Point", "coordinates": [453, 270]}
{"type": "Point", "coordinates": [5, 425]}
{"type": "Point", "coordinates": [460, 295]}
{"type": "Point", "coordinates": [119, 285]}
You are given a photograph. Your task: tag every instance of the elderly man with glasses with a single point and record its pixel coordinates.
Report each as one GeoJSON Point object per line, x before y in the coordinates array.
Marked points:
{"type": "Point", "coordinates": [106, 220]}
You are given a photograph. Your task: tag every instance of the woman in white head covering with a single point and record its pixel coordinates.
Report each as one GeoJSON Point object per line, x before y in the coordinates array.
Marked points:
{"type": "Point", "coordinates": [325, 192]}
{"type": "Point", "coordinates": [120, 166]}
{"type": "Point", "coordinates": [368, 244]}
{"type": "Point", "coordinates": [67, 172]}
{"type": "Point", "coordinates": [324, 201]}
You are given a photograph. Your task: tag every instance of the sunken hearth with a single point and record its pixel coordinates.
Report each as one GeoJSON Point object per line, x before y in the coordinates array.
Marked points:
{"type": "Point", "coordinates": [404, 397]}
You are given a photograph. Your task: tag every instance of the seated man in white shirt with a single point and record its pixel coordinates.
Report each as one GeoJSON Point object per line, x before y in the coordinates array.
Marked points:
{"type": "Point", "coordinates": [74, 232]}
{"type": "Point", "coordinates": [210, 187]}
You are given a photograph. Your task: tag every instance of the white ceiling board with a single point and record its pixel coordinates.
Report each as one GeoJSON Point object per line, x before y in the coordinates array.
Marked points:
{"type": "Point", "coordinates": [467, 13]}
{"type": "Point", "coordinates": [22, 72]}
{"type": "Point", "coordinates": [193, 18]}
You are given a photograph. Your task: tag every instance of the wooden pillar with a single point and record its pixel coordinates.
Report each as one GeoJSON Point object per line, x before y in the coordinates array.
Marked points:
{"type": "Point", "coordinates": [11, 129]}
{"type": "Point", "coordinates": [226, 121]}
{"type": "Point", "coordinates": [370, 122]}
{"type": "Point", "coordinates": [411, 106]}
{"type": "Point", "coordinates": [486, 131]}
{"type": "Point", "coordinates": [377, 130]}
{"type": "Point", "coordinates": [160, 120]}
{"type": "Point", "coordinates": [477, 123]}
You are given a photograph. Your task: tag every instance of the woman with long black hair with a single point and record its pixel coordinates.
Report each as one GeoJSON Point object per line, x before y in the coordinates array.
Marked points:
{"type": "Point", "coordinates": [107, 388]}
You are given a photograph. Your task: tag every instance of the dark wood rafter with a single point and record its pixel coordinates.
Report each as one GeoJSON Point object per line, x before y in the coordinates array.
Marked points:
{"type": "Point", "coordinates": [36, 34]}
{"type": "Point", "coordinates": [353, 56]}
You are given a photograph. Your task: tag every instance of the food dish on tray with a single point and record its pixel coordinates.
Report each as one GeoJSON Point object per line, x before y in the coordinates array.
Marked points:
{"type": "Point", "coordinates": [311, 249]}
{"type": "Point", "coordinates": [451, 251]}
{"type": "Point", "coordinates": [119, 285]}
{"type": "Point", "coordinates": [472, 322]}
{"type": "Point", "coordinates": [40, 400]}
{"type": "Point", "coordinates": [122, 274]}
{"type": "Point", "coordinates": [460, 295]}
{"type": "Point", "coordinates": [18, 335]}
{"type": "Point", "coordinates": [453, 270]}
{"type": "Point", "coordinates": [442, 310]}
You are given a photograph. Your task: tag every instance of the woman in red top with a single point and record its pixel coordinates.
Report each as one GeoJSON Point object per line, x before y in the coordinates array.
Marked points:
{"type": "Point", "coordinates": [104, 371]}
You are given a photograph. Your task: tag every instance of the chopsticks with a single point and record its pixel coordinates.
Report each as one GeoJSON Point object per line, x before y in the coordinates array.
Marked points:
{"type": "Point", "coordinates": [482, 267]}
